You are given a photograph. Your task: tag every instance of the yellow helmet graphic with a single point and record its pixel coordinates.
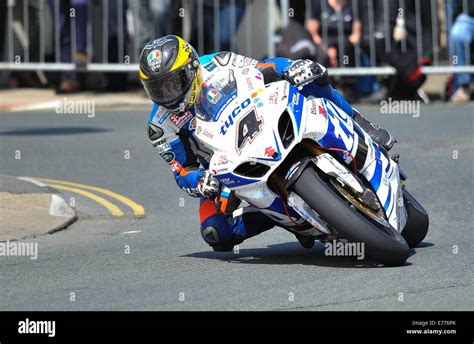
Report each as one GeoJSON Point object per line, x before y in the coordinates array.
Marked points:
{"type": "Point", "coordinates": [169, 72]}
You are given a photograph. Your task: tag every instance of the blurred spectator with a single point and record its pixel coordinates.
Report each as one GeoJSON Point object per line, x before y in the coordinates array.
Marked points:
{"type": "Point", "coordinates": [151, 19]}
{"type": "Point", "coordinates": [343, 32]}
{"type": "Point", "coordinates": [142, 24]}
{"type": "Point", "coordinates": [67, 9]}
{"type": "Point", "coordinates": [461, 39]}
{"type": "Point", "coordinates": [395, 44]}
{"type": "Point", "coordinates": [298, 8]}
{"type": "Point", "coordinates": [161, 17]}
{"type": "Point", "coordinates": [230, 14]}
{"type": "Point", "coordinates": [296, 43]}
{"type": "Point", "coordinates": [25, 40]}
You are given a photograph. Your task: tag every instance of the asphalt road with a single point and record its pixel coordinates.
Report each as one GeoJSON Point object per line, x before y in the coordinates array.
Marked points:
{"type": "Point", "coordinates": [161, 263]}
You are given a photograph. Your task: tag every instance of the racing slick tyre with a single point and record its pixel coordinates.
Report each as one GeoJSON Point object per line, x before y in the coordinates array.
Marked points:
{"type": "Point", "coordinates": [384, 244]}
{"type": "Point", "coordinates": [417, 224]}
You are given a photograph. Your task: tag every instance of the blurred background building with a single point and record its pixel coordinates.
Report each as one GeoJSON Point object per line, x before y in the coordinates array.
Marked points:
{"type": "Point", "coordinates": [375, 49]}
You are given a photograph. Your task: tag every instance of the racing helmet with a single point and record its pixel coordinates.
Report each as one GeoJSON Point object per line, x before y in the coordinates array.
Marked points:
{"type": "Point", "coordinates": [169, 71]}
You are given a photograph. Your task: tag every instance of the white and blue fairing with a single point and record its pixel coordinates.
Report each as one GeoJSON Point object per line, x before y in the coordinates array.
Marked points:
{"type": "Point", "coordinates": [238, 121]}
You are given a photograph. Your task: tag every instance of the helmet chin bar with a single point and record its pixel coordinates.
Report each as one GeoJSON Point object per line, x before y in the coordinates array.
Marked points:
{"type": "Point", "coordinates": [182, 107]}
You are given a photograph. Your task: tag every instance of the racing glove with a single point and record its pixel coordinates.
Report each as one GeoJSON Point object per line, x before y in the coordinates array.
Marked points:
{"type": "Point", "coordinates": [208, 186]}
{"type": "Point", "coordinates": [303, 72]}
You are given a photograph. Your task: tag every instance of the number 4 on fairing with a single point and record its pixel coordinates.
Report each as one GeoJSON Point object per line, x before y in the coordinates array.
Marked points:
{"type": "Point", "coordinates": [247, 129]}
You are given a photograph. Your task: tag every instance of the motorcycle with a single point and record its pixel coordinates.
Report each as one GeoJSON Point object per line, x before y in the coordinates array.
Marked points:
{"type": "Point", "coordinates": [307, 165]}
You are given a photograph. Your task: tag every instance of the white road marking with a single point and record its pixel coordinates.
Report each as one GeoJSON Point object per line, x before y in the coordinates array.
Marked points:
{"type": "Point", "coordinates": [131, 232]}
{"type": "Point", "coordinates": [37, 183]}
{"type": "Point", "coordinates": [59, 207]}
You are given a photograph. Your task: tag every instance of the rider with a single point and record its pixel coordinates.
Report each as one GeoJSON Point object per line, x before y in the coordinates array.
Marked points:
{"type": "Point", "coordinates": [172, 74]}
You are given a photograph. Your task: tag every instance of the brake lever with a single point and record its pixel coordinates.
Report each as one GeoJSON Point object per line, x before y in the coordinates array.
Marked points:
{"type": "Point", "coordinates": [217, 199]}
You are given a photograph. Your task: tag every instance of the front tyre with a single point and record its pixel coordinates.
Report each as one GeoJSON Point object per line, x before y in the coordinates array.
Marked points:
{"type": "Point", "coordinates": [417, 224]}
{"type": "Point", "coordinates": [385, 244]}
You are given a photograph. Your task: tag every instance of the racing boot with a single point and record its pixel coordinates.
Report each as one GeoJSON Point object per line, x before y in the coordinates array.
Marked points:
{"type": "Point", "coordinates": [227, 246]}
{"type": "Point", "coordinates": [305, 240]}
{"type": "Point", "coordinates": [378, 134]}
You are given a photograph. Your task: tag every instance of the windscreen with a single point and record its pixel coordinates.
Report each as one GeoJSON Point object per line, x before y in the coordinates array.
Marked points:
{"type": "Point", "coordinates": [215, 95]}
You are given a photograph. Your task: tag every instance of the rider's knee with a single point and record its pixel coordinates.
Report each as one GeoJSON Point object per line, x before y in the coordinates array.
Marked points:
{"type": "Point", "coordinates": [214, 238]}
{"type": "Point", "coordinates": [217, 232]}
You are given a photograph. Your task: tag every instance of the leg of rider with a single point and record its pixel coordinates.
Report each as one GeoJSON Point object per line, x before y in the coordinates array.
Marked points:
{"type": "Point", "coordinates": [222, 234]}
{"type": "Point", "coordinates": [378, 134]}
{"type": "Point", "coordinates": [249, 222]}
{"type": "Point", "coordinates": [215, 227]}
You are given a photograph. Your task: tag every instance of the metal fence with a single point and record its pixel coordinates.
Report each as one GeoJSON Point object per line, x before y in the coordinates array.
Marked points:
{"type": "Point", "coordinates": [48, 35]}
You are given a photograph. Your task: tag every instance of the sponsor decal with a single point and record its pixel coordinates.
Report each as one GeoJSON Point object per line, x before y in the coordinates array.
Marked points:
{"type": "Point", "coordinates": [163, 147]}
{"type": "Point", "coordinates": [222, 160]}
{"type": "Point", "coordinates": [241, 61]}
{"type": "Point", "coordinates": [213, 95]}
{"type": "Point", "coordinates": [210, 66]}
{"type": "Point", "coordinates": [295, 99]}
{"type": "Point", "coordinates": [227, 181]}
{"type": "Point", "coordinates": [270, 152]}
{"type": "Point", "coordinates": [245, 71]}
{"type": "Point", "coordinates": [203, 131]}
{"type": "Point", "coordinates": [154, 58]}
{"type": "Point", "coordinates": [164, 115]}
{"type": "Point", "coordinates": [256, 93]}
{"type": "Point", "coordinates": [208, 134]}
{"type": "Point", "coordinates": [314, 109]}
{"type": "Point", "coordinates": [322, 111]}
{"type": "Point", "coordinates": [158, 41]}
{"type": "Point", "coordinates": [273, 98]}
{"type": "Point", "coordinates": [234, 60]}
{"type": "Point", "coordinates": [168, 156]}
{"type": "Point", "coordinates": [154, 132]}
{"type": "Point", "coordinates": [224, 106]}
{"type": "Point", "coordinates": [179, 120]}
{"type": "Point", "coordinates": [222, 170]}
{"type": "Point", "coordinates": [230, 119]}
{"type": "Point", "coordinates": [192, 124]}
{"type": "Point", "coordinates": [249, 84]}
{"type": "Point", "coordinates": [285, 91]}
{"type": "Point", "coordinates": [223, 58]}
{"type": "Point", "coordinates": [220, 83]}
{"type": "Point", "coordinates": [292, 170]}
{"type": "Point", "coordinates": [247, 61]}
{"type": "Point", "coordinates": [175, 166]}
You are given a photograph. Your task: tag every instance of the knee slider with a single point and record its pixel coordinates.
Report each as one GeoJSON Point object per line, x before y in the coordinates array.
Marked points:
{"type": "Point", "coordinates": [210, 235]}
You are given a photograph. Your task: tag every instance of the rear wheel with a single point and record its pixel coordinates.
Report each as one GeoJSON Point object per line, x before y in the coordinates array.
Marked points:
{"type": "Point", "coordinates": [417, 224]}
{"type": "Point", "coordinates": [382, 243]}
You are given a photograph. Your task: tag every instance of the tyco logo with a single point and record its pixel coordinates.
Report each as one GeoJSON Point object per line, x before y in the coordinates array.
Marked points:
{"type": "Point", "coordinates": [230, 119]}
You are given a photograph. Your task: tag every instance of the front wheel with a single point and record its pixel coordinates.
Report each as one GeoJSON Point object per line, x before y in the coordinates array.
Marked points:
{"type": "Point", "coordinates": [382, 243]}
{"type": "Point", "coordinates": [418, 222]}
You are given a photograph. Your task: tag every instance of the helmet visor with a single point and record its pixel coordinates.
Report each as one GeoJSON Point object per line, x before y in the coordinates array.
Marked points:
{"type": "Point", "coordinates": [170, 89]}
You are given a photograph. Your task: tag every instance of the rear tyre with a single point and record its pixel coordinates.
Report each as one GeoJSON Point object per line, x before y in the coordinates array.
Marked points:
{"type": "Point", "coordinates": [417, 224]}
{"type": "Point", "coordinates": [384, 244]}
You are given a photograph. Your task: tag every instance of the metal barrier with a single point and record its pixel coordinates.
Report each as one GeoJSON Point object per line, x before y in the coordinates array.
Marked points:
{"type": "Point", "coordinates": [47, 34]}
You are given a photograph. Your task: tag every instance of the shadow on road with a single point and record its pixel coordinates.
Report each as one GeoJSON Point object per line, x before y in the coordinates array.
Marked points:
{"type": "Point", "coordinates": [53, 131]}
{"type": "Point", "coordinates": [292, 253]}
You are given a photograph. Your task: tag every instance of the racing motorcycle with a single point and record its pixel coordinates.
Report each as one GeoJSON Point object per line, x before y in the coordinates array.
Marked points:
{"type": "Point", "coordinates": [307, 165]}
